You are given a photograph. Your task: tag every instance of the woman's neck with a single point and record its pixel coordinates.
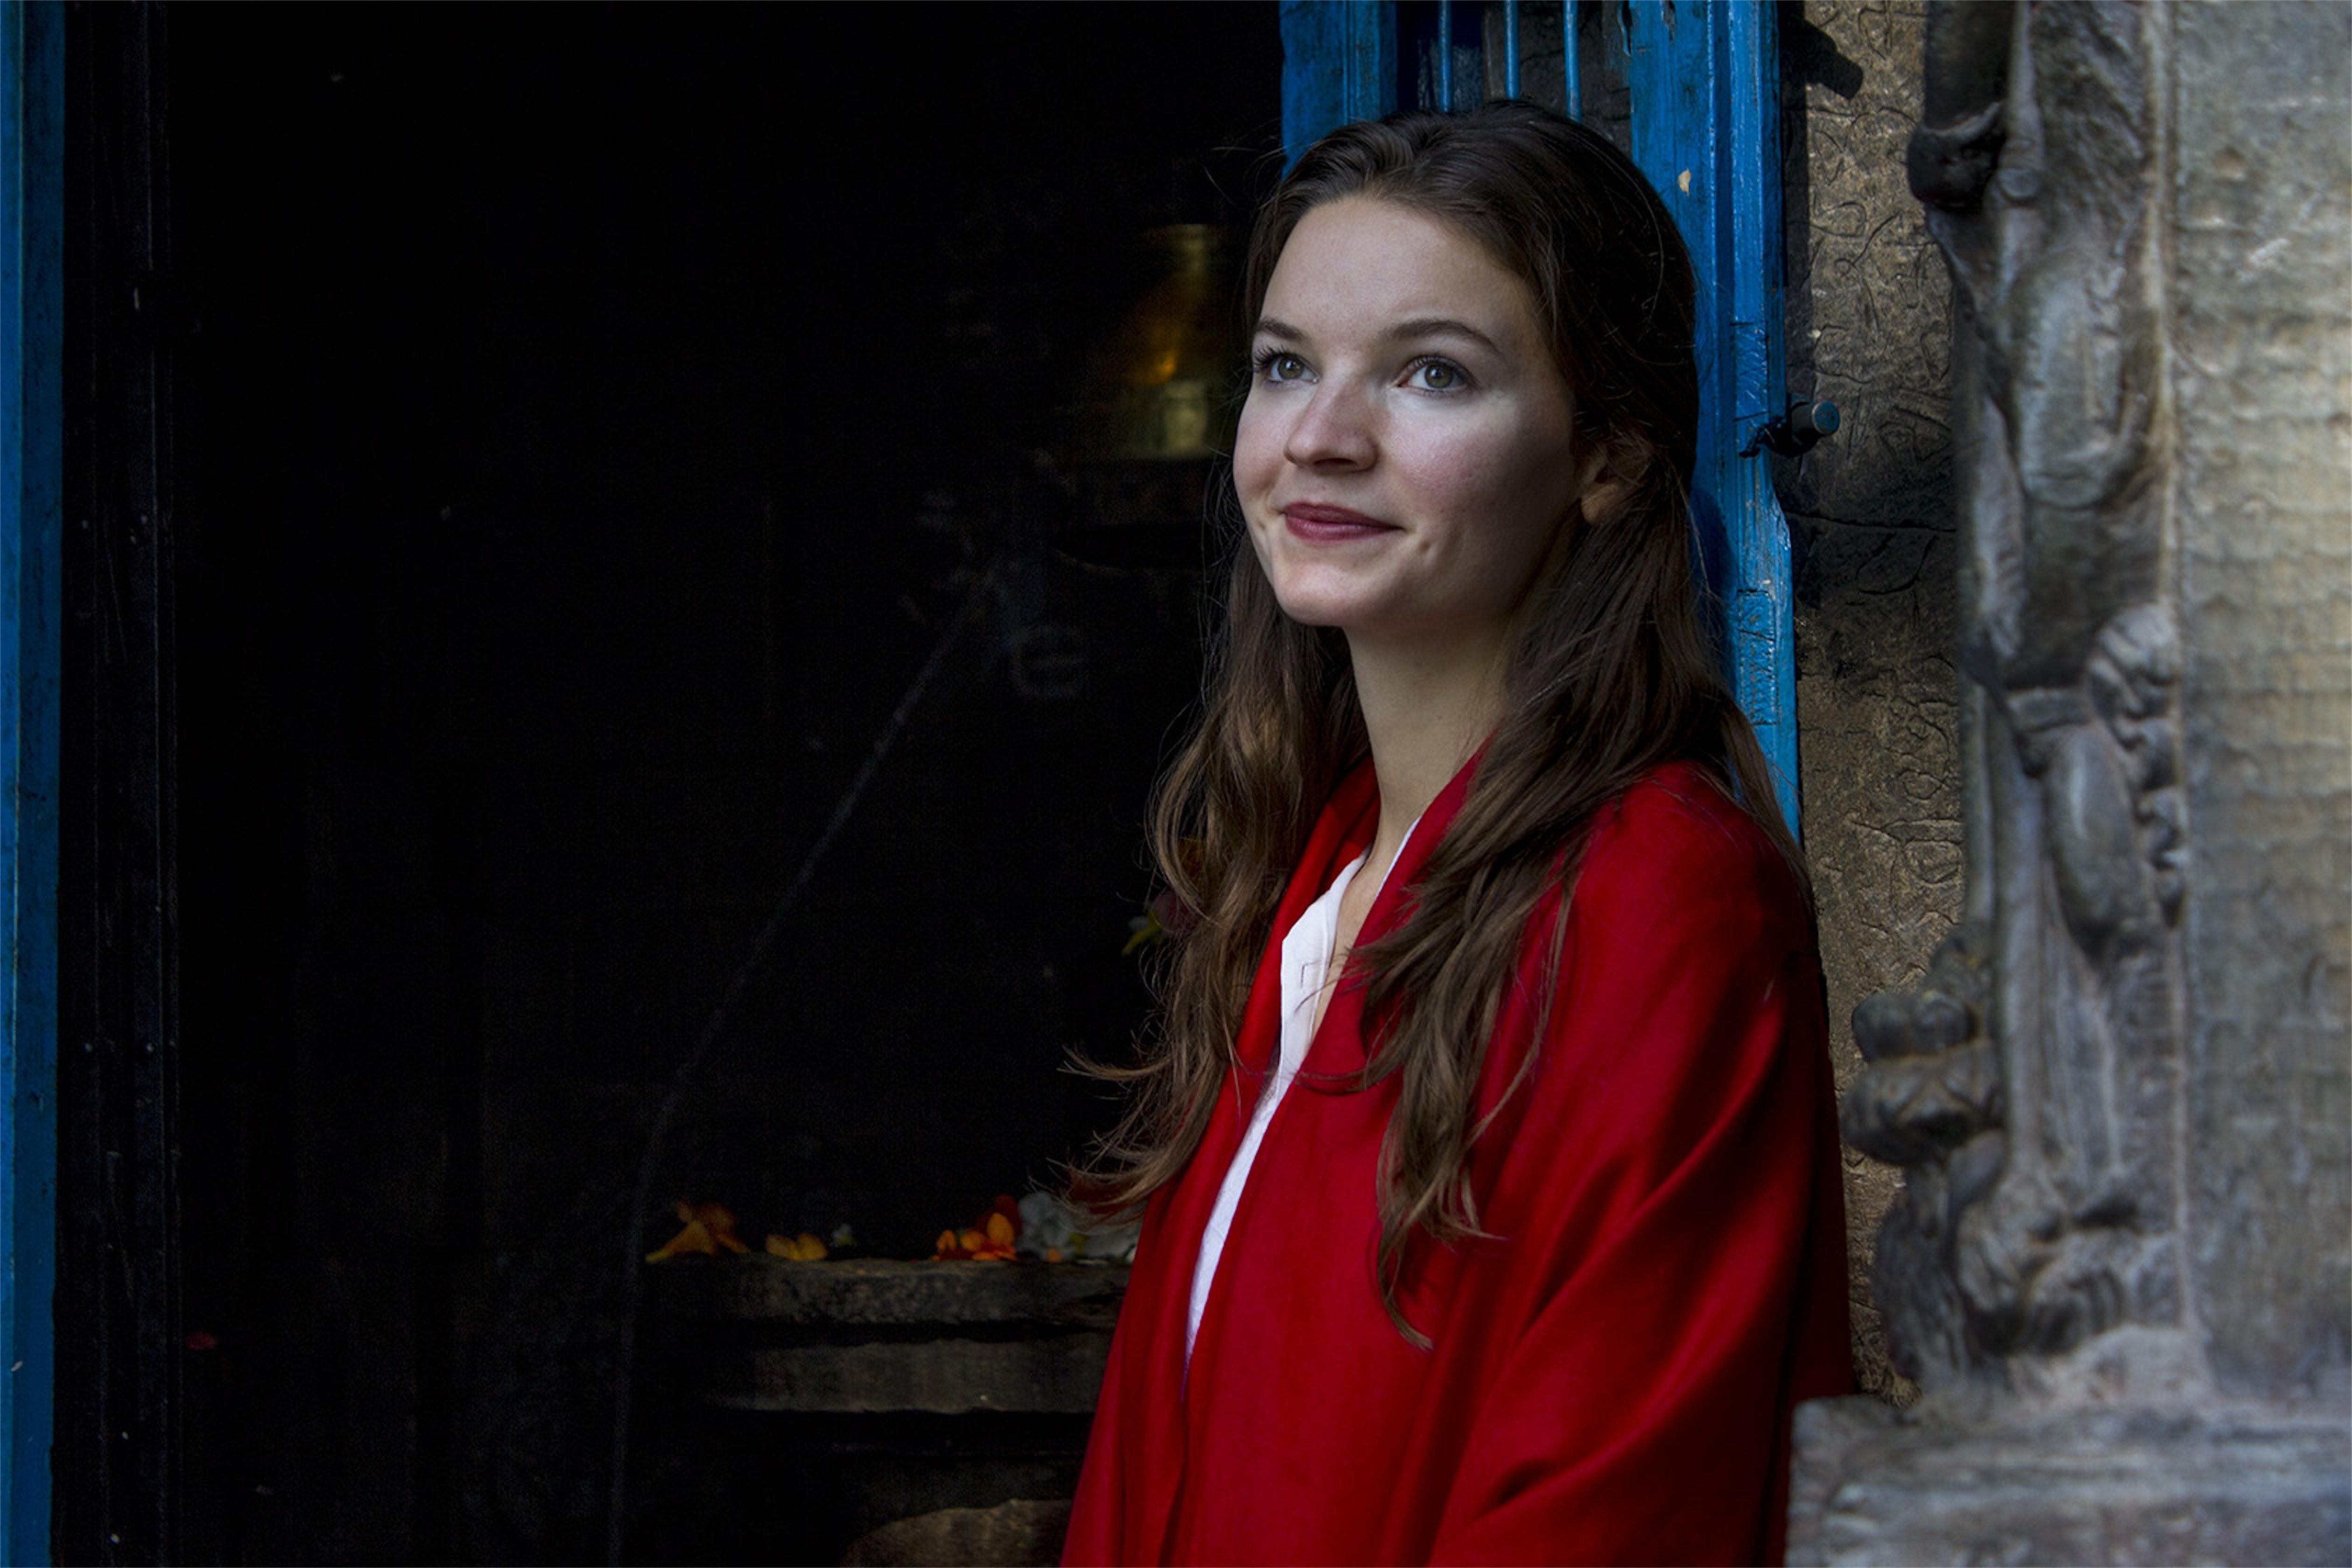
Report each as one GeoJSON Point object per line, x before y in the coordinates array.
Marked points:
{"type": "Point", "coordinates": [1425, 711]}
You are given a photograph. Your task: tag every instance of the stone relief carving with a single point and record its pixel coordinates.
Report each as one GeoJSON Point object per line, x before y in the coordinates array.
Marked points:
{"type": "Point", "coordinates": [2117, 1097]}
{"type": "Point", "coordinates": [2028, 1086]}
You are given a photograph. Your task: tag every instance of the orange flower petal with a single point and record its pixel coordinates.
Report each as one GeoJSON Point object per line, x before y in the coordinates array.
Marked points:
{"type": "Point", "coordinates": [694, 1237]}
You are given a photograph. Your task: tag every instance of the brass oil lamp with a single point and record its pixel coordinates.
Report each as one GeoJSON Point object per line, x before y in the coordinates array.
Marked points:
{"type": "Point", "coordinates": [1154, 421]}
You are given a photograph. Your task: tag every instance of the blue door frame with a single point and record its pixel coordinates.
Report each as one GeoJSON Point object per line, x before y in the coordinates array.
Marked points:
{"type": "Point", "coordinates": [32, 305]}
{"type": "Point", "coordinates": [1704, 81]}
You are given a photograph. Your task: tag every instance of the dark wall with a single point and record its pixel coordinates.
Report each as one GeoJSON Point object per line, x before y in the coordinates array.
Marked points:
{"type": "Point", "coordinates": [590, 421]}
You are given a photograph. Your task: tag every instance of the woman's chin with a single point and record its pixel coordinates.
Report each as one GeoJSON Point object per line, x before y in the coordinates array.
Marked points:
{"type": "Point", "coordinates": [1317, 610]}
{"type": "Point", "coordinates": [1320, 596]}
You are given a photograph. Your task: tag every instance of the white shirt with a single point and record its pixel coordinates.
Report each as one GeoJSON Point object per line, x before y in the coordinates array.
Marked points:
{"type": "Point", "coordinates": [1307, 951]}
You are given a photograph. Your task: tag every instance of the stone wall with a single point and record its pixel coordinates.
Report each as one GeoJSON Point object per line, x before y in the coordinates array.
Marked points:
{"type": "Point", "coordinates": [2262, 358]}
{"type": "Point", "coordinates": [1871, 519]}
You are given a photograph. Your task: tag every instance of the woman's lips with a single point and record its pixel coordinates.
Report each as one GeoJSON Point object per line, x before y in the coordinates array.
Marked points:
{"type": "Point", "coordinates": [1319, 524]}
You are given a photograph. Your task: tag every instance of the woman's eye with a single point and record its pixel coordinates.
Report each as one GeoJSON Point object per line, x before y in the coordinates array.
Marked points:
{"type": "Point", "coordinates": [1274, 365]}
{"type": "Point", "coordinates": [1437, 375]}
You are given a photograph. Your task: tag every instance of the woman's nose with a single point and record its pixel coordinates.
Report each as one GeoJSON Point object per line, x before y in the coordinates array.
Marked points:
{"type": "Point", "coordinates": [1333, 430]}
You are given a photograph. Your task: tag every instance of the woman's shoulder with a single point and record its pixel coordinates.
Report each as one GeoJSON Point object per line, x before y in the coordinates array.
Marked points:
{"type": "Point", "coordinates": [1676, 840]}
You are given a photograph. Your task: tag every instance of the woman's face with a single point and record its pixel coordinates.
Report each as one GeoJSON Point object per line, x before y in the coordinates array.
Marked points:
{"type": "Point", "coordinates": [1406, 453]}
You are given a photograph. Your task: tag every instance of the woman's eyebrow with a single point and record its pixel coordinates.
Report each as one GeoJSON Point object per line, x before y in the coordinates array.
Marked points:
{"type": "Point", "coordinates": [1444, 327]}
{"type": "Point", "coordinates": [1413, 327]}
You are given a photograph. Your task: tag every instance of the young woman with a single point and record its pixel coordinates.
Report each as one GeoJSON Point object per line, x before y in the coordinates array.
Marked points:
{"type": "Point", "coordinates": [1494, 1209]}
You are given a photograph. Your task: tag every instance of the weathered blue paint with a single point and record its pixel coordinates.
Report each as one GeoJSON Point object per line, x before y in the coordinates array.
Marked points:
{"type": "Point", "coordinates": [1571, 67]}
{"type": "Point", "coordinates": [1445, 55]}
{"type": "Point", "coordinates": [1705, 78]}
{"type": "Point", "coordinates": [32, 306]}
{"type": "Point", "coordinates": [1338, 64]}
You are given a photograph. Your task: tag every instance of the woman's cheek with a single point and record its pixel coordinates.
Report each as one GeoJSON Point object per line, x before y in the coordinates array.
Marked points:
{"type": "Point", "coordinates": [1257, 456]}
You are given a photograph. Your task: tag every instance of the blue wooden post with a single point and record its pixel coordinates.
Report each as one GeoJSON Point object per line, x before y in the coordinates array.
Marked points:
{"type": "Point", "coordinates": [32, 303]}
{"type": "Point", "coordinates": [1571, 64]}
{"type": "Point", "coordinates": [1445, 55]}
{"type": "Point", "coordinates": [1338, 64]}
{"type": "Point", "coordinates": [1705, 77]}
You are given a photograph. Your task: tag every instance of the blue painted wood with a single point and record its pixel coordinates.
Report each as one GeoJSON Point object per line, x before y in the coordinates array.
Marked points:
{"type": "Point", "coordinates": [1572, 68]}
{"type": "Point", "coordinates": [1338, 64]}
{"type": "Point", "coordinates": [1510, 48]}
{"type": "Point", "coordinates": [32, 308]}
{"type": "Point", "coordinates": [1446, 57]}
{"type": "Point", "coordinates": [1705, 80]}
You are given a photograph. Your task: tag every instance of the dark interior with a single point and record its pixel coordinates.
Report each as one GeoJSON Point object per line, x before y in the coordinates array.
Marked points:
{"type": "Point", "coordinates": [589, 422]}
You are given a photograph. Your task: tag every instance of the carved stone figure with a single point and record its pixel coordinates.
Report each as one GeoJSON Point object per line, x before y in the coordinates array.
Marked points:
{"type": "Point", "coordinates": [2038, 1235]}
{"type": "Point", "coordinates": [2060, 1090]}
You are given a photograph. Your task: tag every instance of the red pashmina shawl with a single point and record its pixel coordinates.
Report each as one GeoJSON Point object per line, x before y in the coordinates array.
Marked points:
{"type": "Point", "coordinates": [1612, 1379]}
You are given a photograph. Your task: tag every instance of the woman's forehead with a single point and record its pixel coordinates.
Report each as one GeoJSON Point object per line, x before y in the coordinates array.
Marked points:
{"type": "Point", "coordinates": [1361, 265]}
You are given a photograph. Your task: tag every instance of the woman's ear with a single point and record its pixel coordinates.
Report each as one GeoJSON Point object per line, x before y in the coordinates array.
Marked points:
{"type": "Point", "coordinates": [1610, 470]}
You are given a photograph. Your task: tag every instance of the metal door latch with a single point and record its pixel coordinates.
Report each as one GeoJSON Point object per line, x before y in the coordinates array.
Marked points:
{"type": "Point", "coordinates": [1796, 432]}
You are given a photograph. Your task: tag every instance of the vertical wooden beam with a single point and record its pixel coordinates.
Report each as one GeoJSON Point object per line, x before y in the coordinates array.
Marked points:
{"type": "Point", "coordinates": [1338, 64]}
{"type": "Point", "coordinates": [32, 256]}
{"type": "Point", "coordinates": [1705, 76]}
{"type": "Point", "coordinates": [1446, 57]}
{"type": "Point", "coordinates": [1571, 69]}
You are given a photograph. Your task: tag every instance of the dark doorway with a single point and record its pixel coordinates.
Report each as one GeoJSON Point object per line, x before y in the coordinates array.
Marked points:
{"type": "Point", "coordinates": [588, 422]}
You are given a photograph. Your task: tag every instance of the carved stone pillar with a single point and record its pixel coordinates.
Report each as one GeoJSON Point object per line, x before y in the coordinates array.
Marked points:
{"type": "Point", "coordinates": [2122, 1268]}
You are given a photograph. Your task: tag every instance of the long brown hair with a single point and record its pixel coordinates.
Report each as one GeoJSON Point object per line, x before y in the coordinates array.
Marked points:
{"type": "Point", "coordinates": [1615, 673]}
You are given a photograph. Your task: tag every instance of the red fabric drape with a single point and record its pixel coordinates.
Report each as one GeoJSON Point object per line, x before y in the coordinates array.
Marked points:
{"type": "Point", "coordinates": [1612, 1378]}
